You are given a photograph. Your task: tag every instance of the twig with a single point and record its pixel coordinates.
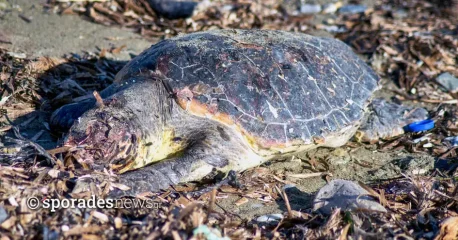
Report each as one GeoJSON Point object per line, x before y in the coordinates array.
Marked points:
{"type": "Point", "coordinates": [307, 175]}
{"type": "Point", "coordinates": [99, 99]}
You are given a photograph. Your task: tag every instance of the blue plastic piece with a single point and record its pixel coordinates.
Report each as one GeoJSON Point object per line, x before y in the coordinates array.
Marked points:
{"type": "Point", "coordinates": [419, 126]}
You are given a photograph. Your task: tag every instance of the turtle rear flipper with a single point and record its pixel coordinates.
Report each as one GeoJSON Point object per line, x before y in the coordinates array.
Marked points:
{"type": "Point", "coordinates": [387, 120]}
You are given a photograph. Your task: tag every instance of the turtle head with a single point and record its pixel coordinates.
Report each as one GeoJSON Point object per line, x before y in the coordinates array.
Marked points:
{"type": "Point", "coordinates": [107, 136]}
{"type": "Point", "coordinates": [126, 131]}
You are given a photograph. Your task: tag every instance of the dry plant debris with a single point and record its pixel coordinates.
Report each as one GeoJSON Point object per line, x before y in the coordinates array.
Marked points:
{"type": "Point", "coordinates": [407, 41]}
{"type": "Point", "coordinates": [139, 16]}
{"type": "Point", "coordinates": [411, 42]}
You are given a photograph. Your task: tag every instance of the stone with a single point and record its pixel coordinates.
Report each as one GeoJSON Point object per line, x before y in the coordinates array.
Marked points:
{"type": "Point", "coordinates": [452, 140]}
{"type": "Point", "coordinates": [449, 81]}
{"type": "Point", "coordinates": [287, 186]}
{"type": "Point", "coordinates": [400, 14]}
{"type": "Point", "coordinates": [173, 9]}
{"type": "Point", "coordinates": [291, 7]}
{"type": "Point", "coordinates": [3, 214]}
{"type": "Point", "coordinates": [270, 218]}
{"type": "Point", "coordinates": [346, 195]}
{"type": "Point", "coordinates": [415, 165]}
{"type": "Point", "coordinates": [352, 9]}
{"type": "Point", "coordinates": [209, 233]}
{"type": "Point", "coordinates": [332, 28]}
{"type": "Point", "coordinates": [310, 8]}
{"type": "Point", "coordinates": [331, 7]}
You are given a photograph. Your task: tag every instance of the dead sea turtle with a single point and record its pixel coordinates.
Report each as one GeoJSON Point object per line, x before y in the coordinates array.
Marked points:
{"type": "Point", "coordinates": [227, 100]}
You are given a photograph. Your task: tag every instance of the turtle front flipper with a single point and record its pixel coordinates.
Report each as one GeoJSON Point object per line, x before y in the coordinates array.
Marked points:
{"type": "Point", "coordinates": [161, 175]}
{"type": "Point", "coordinates": [154, 177]}
{"type": "Point", "coordinates": [64, 117]}
{"type": "Point", "coordinates": [386, 120]}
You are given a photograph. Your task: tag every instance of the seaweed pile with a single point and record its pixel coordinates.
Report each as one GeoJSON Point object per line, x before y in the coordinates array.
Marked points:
{"type": "Point", "coordinates": [410, 43]}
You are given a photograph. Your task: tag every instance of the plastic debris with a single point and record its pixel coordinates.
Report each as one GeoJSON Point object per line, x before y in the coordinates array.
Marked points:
{"type": "Point", "coordinates": [420, 126]}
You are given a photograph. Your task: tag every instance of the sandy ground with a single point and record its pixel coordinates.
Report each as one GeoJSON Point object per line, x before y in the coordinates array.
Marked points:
{"type": "Point", "coordinates": [48, 34]}
{"type": "Point", "coordinates": [53, 35]}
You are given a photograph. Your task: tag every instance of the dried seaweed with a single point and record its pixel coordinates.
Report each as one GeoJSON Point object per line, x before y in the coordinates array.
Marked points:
{"type": "Point", "coordinates": [408, 42]}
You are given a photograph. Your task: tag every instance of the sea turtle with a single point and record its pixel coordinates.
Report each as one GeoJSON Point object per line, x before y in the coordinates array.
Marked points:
{"type": "Point", "coordinates": [227, 100]}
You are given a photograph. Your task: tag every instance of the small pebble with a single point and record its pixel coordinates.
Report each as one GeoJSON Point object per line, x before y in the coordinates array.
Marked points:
{"type": "Point", "coordinates": [332, 28]}
{"type": "Point", "coordinates": [65, 228]}
{"type": "Point", "coordinates": [13, 201]}
{"type": "Point", "coordinates": [227, 8]}
{"type": "Point", "coordinates": [331, 7]}
{"type": "Point", "coordinates": [387, 7]}
{"type": "Point", "coordinates": [452, 140]}
{"type": "Point", "coordinates": [310, 8]}
{"type": "Point", "coordinates": [449, 81]}
{"type": "Point", "coordinates": [3, 214]}
{"type": "Point", "coordinates": [209, 233]}
{"type": "Point", "coordinates": [289, 186]}
{"type": "Point", "coordinates": [3, 6]}
{"type": "Point", "coordinates": [352, 9]}
{"type": "Point", "coordinates": [17, 55]}
{"type": "Point", "coordinates": [257, 205]}
{"type": "Point", "coordinates": [400, 14]}
{"type": "Point", "coordinates": [421, 139]}
{"type": "Point", "coordinates": [428, 145]}
{"type": "Point", "coordinates": [270, 218]}
{"type": "Point", "coordinates": [173, 9]}
{"type": "Point", "coordinates": [118, 223]}
{"type": "Point", "coordinates": [329, 21]}
{"type": "Point", "coordinates": [346, 195]}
